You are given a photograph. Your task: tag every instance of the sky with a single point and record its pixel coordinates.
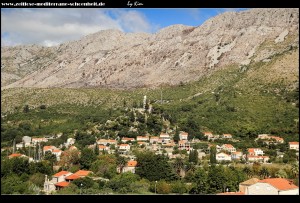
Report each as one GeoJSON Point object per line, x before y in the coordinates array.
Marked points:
{"type": "Point", "coordinates": [52, 26]}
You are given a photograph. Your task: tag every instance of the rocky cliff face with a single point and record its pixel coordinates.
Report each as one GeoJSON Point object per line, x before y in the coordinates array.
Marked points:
{"type": "Point", "coordinates": [173, 55]}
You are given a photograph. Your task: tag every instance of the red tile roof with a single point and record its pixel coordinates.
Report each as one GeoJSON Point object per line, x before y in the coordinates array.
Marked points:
{"type": "Point", "coordinates": [280, 183]}
{"type": "Point", "coordinates": [61, 173]}
{"type": "Point", "coordinates": [294, 143]}
{"type": "Point", "coordinates": [132, 163]}
{"type": "Point", "coordinates": [48, 148]}
{"type": "Point", "coordinates": [62, 184]}
{"type": "Point", "coordinates": [72, 177]}
{"type": "Point", "coordinates": [82, 173]}
{"type": "Point", "coordinates": [15, 155]}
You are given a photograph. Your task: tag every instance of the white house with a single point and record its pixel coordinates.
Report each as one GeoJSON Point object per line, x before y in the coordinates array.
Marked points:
{"type": "Point", "coordinates": [127, 139]}
{"type": "Point", "coordinates": [124, 147]}
{"type": "Point", "coordinates": [294, 145]}
{"type": "Point", "coordinates": [255, 151]}
{"type": "Point", "coordinates": [273, 186]}
{"type": "Point", "coordinates": [165, 137]}
{"type": "Point", "coordinates": [142, 138]}
{"type": "Point", "coordinates": [26, 140]}
{"type": "Point", "coordinates": [223, 157]}
{"type": "Point", "coordinates": [226, 136]}
{"type": "Point", "coordinates": [264, 159]}
{"type": "Point", "coordinates": [154, 139]}
{"type": "Point", "coordinates": [183, 135]}
{"type": "Point", "coordinates": [53, 150]}
{"type": "Point", "coordinates": [105, 142]}
{"type": "Point", "coordinates": [228, 148]}
{"type": "Point", "coordinates": [236, 155]}
{"type": "Point", "coordinates": [130, 167]}
{"type": "Point", "coordinates": [184, 144]}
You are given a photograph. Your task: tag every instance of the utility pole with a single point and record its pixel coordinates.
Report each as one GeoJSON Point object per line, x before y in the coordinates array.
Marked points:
{"type": "Point", "coordinates": [160, 95]}
{"type": "Point", "coordinates": [14, 146]}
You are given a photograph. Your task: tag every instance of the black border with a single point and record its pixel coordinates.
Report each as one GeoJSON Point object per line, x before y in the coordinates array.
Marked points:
{"type": "Point", "coordinates": [158, 198]}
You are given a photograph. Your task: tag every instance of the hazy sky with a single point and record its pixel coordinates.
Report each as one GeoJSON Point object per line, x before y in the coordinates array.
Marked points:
{"type": "Point", "coordinates": [51, 26]}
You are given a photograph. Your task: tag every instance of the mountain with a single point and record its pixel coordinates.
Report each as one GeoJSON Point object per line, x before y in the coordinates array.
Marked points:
{"type": "Point", "coordinates": [174, 55]}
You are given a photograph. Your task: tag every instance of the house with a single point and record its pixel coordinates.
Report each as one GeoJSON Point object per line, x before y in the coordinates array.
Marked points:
{"type": "Point", "coordinates": [294, 145]}
{"type": "Point", "coordinates": [270, 139]}
{"type": "Point", "coordinates": [127, 139]}
{"type": "Point", "coordinates": [16, 155]}
{"type": "Point", "coordinates": [184, 145]}
{"type": "Point", "coordinates": [105, 142]}
{"type": "Point", "coordinates": [103, 148]}
{"type": "Point", "coordinates": [243, 187]}
{"type": "Point", "coordinates": [236, 155]}
{"type": "Point", "coordinates": [142, 138]}
{"type": "Point", "coordinates": [53, 150]}
{"type": "Point", "coordinates": [26, 140]}
{"type": "Point", "coordinates": [60, 176]}
{"type": "Point", "coordinates": [78, 174]}
{"type": "Point", "coordinates": [123, 148]}
{"type": "Point", "coordinates": [165, 137]}
{"type": "Point", "coordinates": [277, 139]}
{"type": "Point", "coordinates": [130, 167]}
{"type": "Point", "coordinates": [273, 186]}
{"type": "Point", "coordinates": [154, 139]}
{"type": "Point", "coordinates": [209, 135]}
{"type": "Point", "coordinates": [228, 148]}
{"type": "Point", "coordinates": [70, 141]}
{"type": "Point", "coordinates": [38, 140]}
{"type": "Point", "coordinates": [226, 136]}
{"type": "Point", "coordinates": [255, 151]}
{"type": "Point", "coordinates": [263, 136]}
{"type": "Point", "coordinates": [262, 159]}
{"type": "Point", "coordinates": [223, 157]}
{"type": "Point", "coordinates": [183, 135]}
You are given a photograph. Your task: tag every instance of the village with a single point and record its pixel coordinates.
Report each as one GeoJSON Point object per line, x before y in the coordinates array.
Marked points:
{"type": "Point", "coordinates": [165, 145]}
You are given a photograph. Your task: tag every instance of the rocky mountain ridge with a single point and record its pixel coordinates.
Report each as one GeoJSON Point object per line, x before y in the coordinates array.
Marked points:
{"type": "Point", "coordinates": [176, 54]}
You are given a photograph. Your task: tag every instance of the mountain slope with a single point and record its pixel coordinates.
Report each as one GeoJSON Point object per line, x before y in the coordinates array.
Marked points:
{"type": "Point", "coordinates": [175, 55]}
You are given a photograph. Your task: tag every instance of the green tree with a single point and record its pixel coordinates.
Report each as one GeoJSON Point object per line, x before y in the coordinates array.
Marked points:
{"type": "Point", "coordinates": [96, 150]}
{"type": "Point", "coordinates": [193, 156]}
{"type": "Point", "coordinates": [163, 187]}
{"type": "Point", "coordinates": [50, 157]}
{"type": "Point", "coordinates": [179, 166]}
{"type": "Point", "coordinates": [200, 179]}
{"type": "Point", "coordinates": [87, 158]}
{"type": "Point", "coordinates": [213, 155]}
{"type": "Point", "coordinates": [176, 136]}
{"type": "Point", "coordinates": [26, 109]}
{"type": "Point", "coordinates": [154, 167]}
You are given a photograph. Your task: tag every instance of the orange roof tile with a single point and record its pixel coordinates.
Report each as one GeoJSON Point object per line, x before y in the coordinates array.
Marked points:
{"type": "Point", "coordinates": [228, 146]}
{"type": "Point", "coordinates": [250, 181]}
{"type": "Point", "coordinates": [15, 155]}
{"type": "Point", "coordinates": [102, 147]}
{"type": "Point", "coordinates": [62, 184]}
{"type": "Point", "coordinates": [61, 173]}
{"type": "Point", "coordinates": [56, 150]}
{"type": "Point", "coordinates": [45, 148]}
{"type": "Point", "coordinates": [72, 177]}
{"type": "Point", "coordinates": [294, 143]}
{"type": "Point", "coordinates": [82, 173]}
{"type": "Point", "coordinates": [154, 137]}
{"type": "Point", "coordinates": [132, 163]}
{"type": "Point", "coordinates": [279, 183]}
{"type": "Point", "coordinates": [124, 145]}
